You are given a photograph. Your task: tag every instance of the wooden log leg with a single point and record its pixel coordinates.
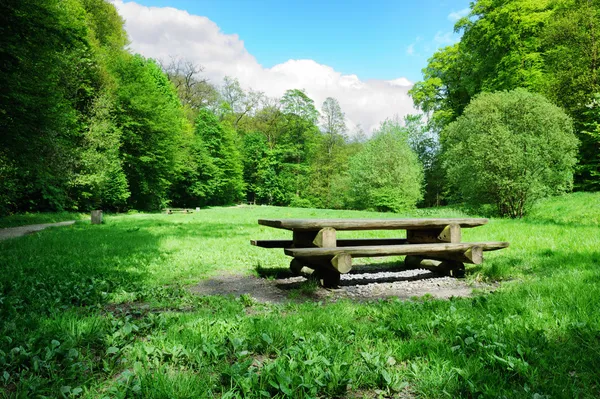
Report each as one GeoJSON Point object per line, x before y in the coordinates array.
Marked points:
{"type": "Point", "coordinates": [325, 238]}
{"type": "Point", "coordinates": [328, 278]}
{"type": "Point", "coordinates": [296, 267]}
{"type": "Point", "coordinates": [458, 272]}
{"type": "Point", "coordinates": [446, 267]}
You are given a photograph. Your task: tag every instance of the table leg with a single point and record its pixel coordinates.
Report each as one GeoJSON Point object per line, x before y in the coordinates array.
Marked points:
{"type": "Point", "coordinates": [328, 278]}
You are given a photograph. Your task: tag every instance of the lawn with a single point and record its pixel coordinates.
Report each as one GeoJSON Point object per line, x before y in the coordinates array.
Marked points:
{"type": "Point", "coordinates": [104, 311]}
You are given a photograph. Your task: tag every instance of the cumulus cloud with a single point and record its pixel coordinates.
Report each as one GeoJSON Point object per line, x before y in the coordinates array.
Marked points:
{"type": "Point", "coordinates": [161, 32]}
{"type": "Point", "coordinates": [456, 15]}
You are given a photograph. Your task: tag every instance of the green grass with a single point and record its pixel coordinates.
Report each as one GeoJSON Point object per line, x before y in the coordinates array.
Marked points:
{"type": "Point", "coordinates": [23, 219]}
{"type": "Point", "coordinates": [103, 311]}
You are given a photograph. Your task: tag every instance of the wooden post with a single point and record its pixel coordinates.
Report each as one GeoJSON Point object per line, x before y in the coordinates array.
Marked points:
{"type": "Point", "coordinates": [325, 238]}
{"type": "Point", "coordinates": [96, 217]}
{"type": "Point", "coordinates": [342, 263]}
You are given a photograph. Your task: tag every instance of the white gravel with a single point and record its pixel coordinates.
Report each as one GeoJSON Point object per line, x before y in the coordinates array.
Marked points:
{"type": "Point", "coordinates": [363, 284]}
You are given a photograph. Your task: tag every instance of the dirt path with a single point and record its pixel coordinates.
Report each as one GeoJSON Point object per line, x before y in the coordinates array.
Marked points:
{"type": "Point", "coordinates": [12, 232]}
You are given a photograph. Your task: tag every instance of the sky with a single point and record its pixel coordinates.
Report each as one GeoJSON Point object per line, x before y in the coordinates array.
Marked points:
{"type": "Point", "coordinates": [366, 54]}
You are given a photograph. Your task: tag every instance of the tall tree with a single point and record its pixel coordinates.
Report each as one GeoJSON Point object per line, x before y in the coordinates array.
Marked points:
{"type": "Point", "coordinates": [226, 182]}
{"type": "Point", "coordinates": [153, 124]}
{"type": "Point", "coordinates": [333, 122]}
{"type": "Point", "coordinates": [194, 91]}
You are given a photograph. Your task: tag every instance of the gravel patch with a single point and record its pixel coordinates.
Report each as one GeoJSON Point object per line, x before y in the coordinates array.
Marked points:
{"type": "Point", "coordinates": [363, 284]}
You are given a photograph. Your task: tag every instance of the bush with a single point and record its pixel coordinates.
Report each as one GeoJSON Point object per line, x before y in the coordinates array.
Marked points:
{"type": "Point", "coordinates": [510, 149]}
{"type": "Point", "coordinates": [386, 174]}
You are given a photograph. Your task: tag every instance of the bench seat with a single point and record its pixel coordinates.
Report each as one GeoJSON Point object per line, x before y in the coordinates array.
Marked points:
{"type": "Point", "coordinates": [352, 242]}
{"type": "Point", "coordinates": [395, 250]}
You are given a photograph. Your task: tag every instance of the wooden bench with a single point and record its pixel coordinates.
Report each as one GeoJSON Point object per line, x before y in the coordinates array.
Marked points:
{"type": "Point", "coordinates": [170, 211]}
{"type": "Point", "coordinates": [433, 244]}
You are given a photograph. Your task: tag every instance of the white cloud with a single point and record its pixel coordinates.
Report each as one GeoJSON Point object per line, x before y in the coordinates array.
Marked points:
{"type": "Point", "coordinates": [410, 50]}
{"type": "Point", "coordinates": [456, 15]}
{"type": "Point", "coordinates": [445, 39]}
{"type": "Point", "coordinates": [163, 32]}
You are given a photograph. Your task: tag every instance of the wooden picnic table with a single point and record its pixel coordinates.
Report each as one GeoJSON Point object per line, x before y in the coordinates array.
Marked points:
{"type": "Point", "coordinates": [432, 243]}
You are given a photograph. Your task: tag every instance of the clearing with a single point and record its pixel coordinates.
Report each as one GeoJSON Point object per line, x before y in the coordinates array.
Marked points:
{"type": "Point", "coordinates": [107, 311]}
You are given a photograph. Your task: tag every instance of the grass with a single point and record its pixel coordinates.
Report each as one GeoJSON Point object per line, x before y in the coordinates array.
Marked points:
{"type": "Point", "coordinates": [103, 312]}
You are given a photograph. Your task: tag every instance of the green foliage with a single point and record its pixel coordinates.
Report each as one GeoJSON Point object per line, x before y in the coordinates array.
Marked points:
{"type": "Point", "coordinates": [225, 183]}
{"type": "Point", "coordinates": [425, 143]}
{"type": "Point", "coordinates": [510, 149]}
{"type": "Point", "coordinates": [152, 124]}
{"type": "Point", "coordinates": [548, 47]}
{"type": "Point", "coordinates": [386, 175]}
{"type": "Point", "coordinates": [101, 182]}
{"type": "Point", "coordinates": [125, 325]}
{"type": "Point", "coordinates": [37, 116]}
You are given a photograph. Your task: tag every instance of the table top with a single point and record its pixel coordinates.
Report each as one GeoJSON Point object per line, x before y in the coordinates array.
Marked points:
{"type": "Point", "coordinates": [369, 224]}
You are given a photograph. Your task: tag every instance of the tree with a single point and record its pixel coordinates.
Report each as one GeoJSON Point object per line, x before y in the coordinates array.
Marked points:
{"type": "Point", "coordinates": [194, 92]}
{"type": "Point", "coordinates": [424, 141]}
{"type": "Point", "coordinates": [572, 58]}
{"type": "Point", "coordinates": [236, 103]}
{"type": "Point", "coordinates": [296, 102]}
{"type": "Point", "coordinates": [548, 47]}
{"type": "Point", "coordinates": [153, 124]}
{"type": "Point", "coordinates": [510, 149]}
{"type": "Point", "coordinates": [386, 175]}
{"type": "Point", "coordinates": [37, 41]}
{"type": "Point", "coordinates": [333, 122]}
{"type": "Point", "coordinates": [226, 181]}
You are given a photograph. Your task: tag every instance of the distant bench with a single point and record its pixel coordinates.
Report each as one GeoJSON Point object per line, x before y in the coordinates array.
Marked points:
{"type": "Point", "coordinates": [433, 244]}
{"type": "Point", "coordinates": [177, 210]}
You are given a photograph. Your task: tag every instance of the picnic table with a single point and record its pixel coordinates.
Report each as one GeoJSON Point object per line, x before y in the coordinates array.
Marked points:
{"type": "Point", "coordinates": [434, 244]}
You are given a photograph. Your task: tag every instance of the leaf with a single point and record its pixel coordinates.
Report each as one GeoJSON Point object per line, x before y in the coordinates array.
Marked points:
{"type": "Point", "coordinates": [469, 340]}
{"type": "Point", "coordinates": [267, 339]}
{"type": "Point", "coordinates": [112, 350]}
{"type": "Point", "coordinates": [386, 376]}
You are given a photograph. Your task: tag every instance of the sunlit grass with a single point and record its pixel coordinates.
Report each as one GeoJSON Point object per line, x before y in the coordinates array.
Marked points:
{"type": "Point", "coordinates": [103, 311]}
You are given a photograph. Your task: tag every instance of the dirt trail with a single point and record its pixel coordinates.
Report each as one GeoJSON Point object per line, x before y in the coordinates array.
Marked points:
{"type": "Point", "coordinates": [12, 232]}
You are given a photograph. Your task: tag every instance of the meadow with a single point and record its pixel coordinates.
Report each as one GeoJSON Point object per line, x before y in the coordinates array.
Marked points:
{"type": "Point", "coordinates": [105, 311]}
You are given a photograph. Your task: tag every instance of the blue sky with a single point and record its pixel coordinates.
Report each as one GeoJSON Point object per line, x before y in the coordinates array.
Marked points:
{"type": "Point", "coordinates": [368, 38]}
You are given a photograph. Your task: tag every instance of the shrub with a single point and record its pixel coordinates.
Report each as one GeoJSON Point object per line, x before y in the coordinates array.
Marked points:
{"type": "Point", "coordinates": [386, 174]}
{"type": "Point", "coordinates": [510, 149]}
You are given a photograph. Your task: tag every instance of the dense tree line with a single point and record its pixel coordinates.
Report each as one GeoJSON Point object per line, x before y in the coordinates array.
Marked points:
{"type": "Point", "coordinates": [86, 124]}
{"type": "Point", "coordinates": [548, 47]}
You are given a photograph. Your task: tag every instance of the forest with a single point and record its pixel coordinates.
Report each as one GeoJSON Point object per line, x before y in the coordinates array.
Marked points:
{"type": "Point", "coordinates": [88, 125]}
